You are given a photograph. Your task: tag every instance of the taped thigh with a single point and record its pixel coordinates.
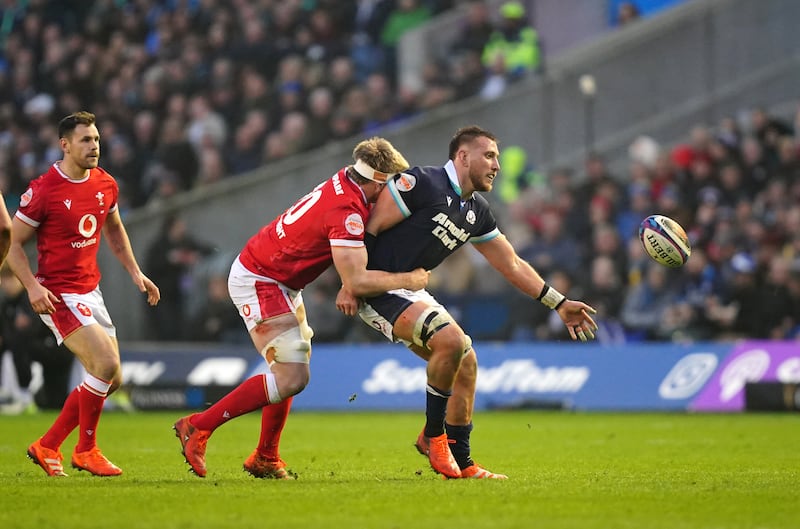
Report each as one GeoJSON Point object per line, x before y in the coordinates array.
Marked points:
{"type": "Point", "coordinates": [289, 346]}
{"type": "Point", "coordinates": [306, 331]}
{"type": "Point", "coordinates": [431, 321]}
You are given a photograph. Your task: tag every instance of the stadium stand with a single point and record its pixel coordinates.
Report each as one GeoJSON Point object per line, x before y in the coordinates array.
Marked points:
{"type": "Point", "coordinates": [204, 103]}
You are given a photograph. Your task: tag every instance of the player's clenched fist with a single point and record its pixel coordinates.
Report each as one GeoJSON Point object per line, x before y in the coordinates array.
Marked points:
{"type": "Point", "coordinates": [419, 279]}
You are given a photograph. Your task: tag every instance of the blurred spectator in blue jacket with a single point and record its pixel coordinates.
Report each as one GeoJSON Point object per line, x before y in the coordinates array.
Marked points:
{"type": "Point", "coordinates": [551, 248]}
{"type": "Point", "coordinates": [646, 304]}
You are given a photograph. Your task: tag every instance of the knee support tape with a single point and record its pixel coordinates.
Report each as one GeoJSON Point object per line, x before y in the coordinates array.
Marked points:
{"type": "Point", "coordinates": [306, 331]}
{"type": "Point", "coordinates": [289, 346]}
{"type": "Point", "coordinates": [429, 323]}
{"type": "Point", "coordinates": [467, 343]}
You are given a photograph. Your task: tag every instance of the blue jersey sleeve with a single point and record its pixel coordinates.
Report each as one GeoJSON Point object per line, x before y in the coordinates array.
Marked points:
{"type": "Point", "coordinates": [411, 191]}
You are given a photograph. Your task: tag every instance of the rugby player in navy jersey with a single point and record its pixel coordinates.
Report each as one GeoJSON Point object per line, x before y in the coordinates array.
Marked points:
{"type": "Point", "coordinates": [424, 215]}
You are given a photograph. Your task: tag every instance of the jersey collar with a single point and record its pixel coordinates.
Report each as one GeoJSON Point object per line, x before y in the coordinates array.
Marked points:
{"type": "Point", "coordinates": [57, 166]}
{"type": "Point", "coordinates": [450, 169]}
{"type": "Point", "coordinates": [355, 185]}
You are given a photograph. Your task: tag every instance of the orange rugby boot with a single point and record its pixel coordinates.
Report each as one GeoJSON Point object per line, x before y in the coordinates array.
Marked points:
{"type": "Point", "coordinates": [94, 462]}
{"type": "Point", "coordinates": [441, 458]}
{"type": "Point", "coordinates": [261, 467]}
{"type": "Point", "coordinates": [193, 445]}
{"type": "Point", "coordinates": [423, 444]}
{"type": "Point", "coordinates": [475, 471]}
{"type": "Point", "coordinates": [50, 460]}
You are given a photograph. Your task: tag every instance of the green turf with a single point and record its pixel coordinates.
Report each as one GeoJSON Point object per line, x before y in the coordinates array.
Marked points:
{"type": "Point", "coordinates": [357, 470]}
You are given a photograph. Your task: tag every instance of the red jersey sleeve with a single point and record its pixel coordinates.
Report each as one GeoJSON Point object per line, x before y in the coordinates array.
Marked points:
{"type": "Point", "coordinates": [346, 225]}
{"type": "Point", "coordinates": [33, 204]}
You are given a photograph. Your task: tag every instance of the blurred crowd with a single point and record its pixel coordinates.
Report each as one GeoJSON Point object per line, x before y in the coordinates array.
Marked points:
{"type": "Point", "coordinates": [734, 187]}
{"type": "Point", "coordinates": [189, 92]}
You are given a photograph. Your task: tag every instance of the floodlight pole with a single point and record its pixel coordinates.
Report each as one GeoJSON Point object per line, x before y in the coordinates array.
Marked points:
{"type": "Point", "coordinates": [588, 88]}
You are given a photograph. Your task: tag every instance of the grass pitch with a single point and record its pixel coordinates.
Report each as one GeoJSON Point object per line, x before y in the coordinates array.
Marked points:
{"type": "Point", "coordinates": [360, 470]}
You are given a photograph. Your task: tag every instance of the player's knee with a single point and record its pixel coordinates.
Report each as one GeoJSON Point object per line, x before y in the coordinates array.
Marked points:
{"type": "Point", "coordinates": [455, 343]}
{"type": "Point", "coordinates": [287, 380]}
{"type": "Point", "coordinates": [449, 344]}
{"type": "Point", "coordinates": [106, 368]}
{"type": "Point", "coordinates": [116, 382]}
{"type": "Point", "coordinates": [293, 386]}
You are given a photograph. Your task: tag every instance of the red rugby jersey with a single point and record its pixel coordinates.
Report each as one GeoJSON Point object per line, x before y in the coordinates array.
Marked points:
{"type": "Point", "coordinates": [68, 216]}
{"type": "Point", "coordinates": [295, 248]}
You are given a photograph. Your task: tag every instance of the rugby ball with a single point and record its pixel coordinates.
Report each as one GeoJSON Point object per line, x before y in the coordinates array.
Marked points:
{"type": "Point", "coordinates": [665, 241]}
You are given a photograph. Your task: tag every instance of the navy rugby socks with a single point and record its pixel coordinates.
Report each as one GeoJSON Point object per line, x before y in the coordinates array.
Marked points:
{"type": "Point", "coordinates": [459, 443]}
{"type": "Point", "coordinates": [435, 410]}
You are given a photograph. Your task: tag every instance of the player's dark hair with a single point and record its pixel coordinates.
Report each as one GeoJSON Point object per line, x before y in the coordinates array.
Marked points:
{"type": "Point", "coordinates": [67, 125]}
{"type": "Point", "coordinates": [466, 135]}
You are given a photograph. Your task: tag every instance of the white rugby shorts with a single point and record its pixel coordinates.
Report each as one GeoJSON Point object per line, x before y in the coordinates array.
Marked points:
{"type": "Point", "coordinates": [374, 319]}
{"type": "Point", "coordinates": [258, 298]}
{"type": "Point", "coordinates": [76, 311]}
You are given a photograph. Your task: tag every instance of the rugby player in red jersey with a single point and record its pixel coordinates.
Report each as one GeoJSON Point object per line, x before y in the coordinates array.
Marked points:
{"type": "Point", "coordinates": [324, 227]}
{"type": "Point", "coordinates": [66, 210]}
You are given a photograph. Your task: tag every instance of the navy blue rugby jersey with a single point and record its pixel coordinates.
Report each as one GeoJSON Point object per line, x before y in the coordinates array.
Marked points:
{"type": "Point", "coordinates": [436, 222]}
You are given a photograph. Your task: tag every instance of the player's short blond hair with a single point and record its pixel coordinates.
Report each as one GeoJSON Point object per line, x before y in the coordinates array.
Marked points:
{"type": "Point", "coordinates": [381, 155]}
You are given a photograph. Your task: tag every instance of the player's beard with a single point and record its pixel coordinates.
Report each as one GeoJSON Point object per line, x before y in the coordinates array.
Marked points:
{"type": "Point", "coordinates": [481, 182]}
{"type": "Point", "coordinates": [89, 163]}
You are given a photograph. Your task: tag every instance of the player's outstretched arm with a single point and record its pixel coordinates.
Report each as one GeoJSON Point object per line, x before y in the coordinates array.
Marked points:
{"type": "Point", "coordinates": [503, 258]}
{"type": "Point", "coordinates": [575, 314]}
{"type": "Point", "coordinates": [351, 264]}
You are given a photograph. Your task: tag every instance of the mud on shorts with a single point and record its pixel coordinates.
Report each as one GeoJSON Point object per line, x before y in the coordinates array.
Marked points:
{"type": "Point", "coordinates": [259, 298]}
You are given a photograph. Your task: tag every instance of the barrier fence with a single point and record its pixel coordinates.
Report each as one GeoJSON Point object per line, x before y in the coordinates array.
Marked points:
{"type": "Point", "coordinates": [701, 377]}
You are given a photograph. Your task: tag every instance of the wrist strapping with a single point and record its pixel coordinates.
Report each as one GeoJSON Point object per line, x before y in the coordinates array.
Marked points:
{"type": "Point", "coordinates": [551, 298]}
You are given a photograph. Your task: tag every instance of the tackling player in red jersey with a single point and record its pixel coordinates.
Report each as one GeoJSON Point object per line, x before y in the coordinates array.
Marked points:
{"type": "Point", "coordinates": [324, 227]}
{"type": "Point", "coordinates": [67, 209]}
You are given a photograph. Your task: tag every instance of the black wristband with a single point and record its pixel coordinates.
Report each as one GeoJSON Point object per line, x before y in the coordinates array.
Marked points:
{"type": "Point", "coordinates": [545, 288]}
